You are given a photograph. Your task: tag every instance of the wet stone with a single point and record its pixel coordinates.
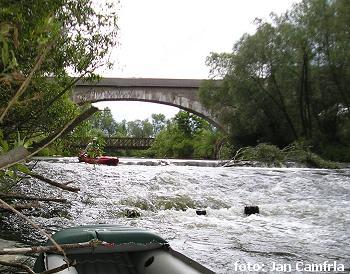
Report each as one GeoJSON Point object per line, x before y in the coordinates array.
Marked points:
{"type": "Point", "coordinates": [132, 213]}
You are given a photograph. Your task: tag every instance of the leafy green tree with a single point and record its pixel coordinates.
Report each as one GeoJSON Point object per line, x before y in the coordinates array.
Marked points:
{"type": "Point", "coordinates": [159, 122]}
{"type": "Point", "coordinates": [189, 123]}
{"type": "Point", "coordinates": [289, 80]}
{"type": "Point", "coordinates": [121, 129]}
{"type": "Point", "coordinates": [186, 136]}
{"type": "Point", "coordinates": [41, 41]}
{"type": "Point", "coordinates": [140, 129]}
{"type": "Point", "coordinates": [105, 122]}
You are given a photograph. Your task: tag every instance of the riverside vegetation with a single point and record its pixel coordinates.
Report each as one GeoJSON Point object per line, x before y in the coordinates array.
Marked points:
{"type": "Point", "coordinates": [289, 81]}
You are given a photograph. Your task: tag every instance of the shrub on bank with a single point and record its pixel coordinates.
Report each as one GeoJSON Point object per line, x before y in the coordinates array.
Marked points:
{"type": "Point", "coordinates": [336, 152]}
{"type": "Point", "coordinates": [300, 152]}
{"type": "Point", "coordinates": [265, 153]}
{"type": "Point", "coordinates": [271, 155]}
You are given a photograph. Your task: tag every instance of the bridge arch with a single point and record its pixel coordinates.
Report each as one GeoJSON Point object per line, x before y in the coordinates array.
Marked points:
{"type": "Point", "coordinates": [181, 93]}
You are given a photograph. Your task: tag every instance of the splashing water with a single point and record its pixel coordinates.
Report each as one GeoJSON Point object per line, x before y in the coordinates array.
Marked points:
{"type": "Point", "coordinates": [304, 213]}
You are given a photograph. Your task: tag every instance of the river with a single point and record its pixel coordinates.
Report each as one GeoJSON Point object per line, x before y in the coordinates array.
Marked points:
{"type": "Point", "coordinates": [304, 213]}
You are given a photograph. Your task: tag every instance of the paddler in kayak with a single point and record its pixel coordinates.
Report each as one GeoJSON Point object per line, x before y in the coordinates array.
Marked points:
{"type": "Point", "coordinates": [93, 149]}
{"type": "Point", "coordinates": [92, 154]}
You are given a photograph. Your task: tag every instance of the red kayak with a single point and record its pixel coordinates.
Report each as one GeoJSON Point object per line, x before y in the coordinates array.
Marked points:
{"type": "Point", "coordinates": [103, 160]}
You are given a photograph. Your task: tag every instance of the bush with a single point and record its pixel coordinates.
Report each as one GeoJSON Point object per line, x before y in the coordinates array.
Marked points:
{"type": "Point", "coordinates": [273, 156]}
{"type": "Point", "coordinates": [300, 152]}
{"type": "Point", "coordinates": [337, 152]}
{"type": "Point", "coordinates": [265, 153]}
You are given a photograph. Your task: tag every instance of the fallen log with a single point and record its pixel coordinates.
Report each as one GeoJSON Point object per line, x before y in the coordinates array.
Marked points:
{"type": "Point", "coordinates": [53, 183]}
{"type": "Point", "coordinates": [20, 206]}
{"type": "Point", "coordinates": [51, 248]}
{"type": "Point", "coordinates": [23, 197]}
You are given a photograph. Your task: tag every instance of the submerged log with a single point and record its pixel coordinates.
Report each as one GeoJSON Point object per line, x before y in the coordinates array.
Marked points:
{"type": "Point", "coordinates": [53, 183]}
{"type": "Point", "coordinates": [23, 197]}
{"type": "Point", "coordinates": [20, 206]}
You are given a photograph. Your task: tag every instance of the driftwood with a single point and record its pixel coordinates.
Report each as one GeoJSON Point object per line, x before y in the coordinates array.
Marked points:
{"type": "Point", "coordinates": [23, 197]}
{"type": "Point", "coordinates": [233, 160]}
{"type": "Point", "coordinates": [53, 183]}
{"type": "Point", "coordinates": [20, 206]}
{"type": "Point", "coordinates": [42, 249]}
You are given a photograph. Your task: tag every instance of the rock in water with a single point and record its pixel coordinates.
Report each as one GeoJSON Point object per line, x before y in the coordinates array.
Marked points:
{"type": "Point", "coordinates": [249, 210]}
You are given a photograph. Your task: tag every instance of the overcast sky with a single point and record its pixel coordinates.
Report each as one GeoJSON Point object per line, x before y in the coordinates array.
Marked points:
{"type": "Point", "coordinates": [171, 39]}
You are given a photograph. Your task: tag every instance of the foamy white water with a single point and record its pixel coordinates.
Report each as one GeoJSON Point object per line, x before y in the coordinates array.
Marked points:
{"type": "Point", "coordinates": [304, 213]}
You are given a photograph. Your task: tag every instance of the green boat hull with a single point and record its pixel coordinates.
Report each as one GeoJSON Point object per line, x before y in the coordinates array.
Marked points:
{"type": "Point", "coordinates": [124, 250]}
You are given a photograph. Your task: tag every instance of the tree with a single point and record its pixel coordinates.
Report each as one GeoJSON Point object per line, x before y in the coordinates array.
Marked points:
{"type": "Point", "coordinates": [105, 122]}
{"type": "Point", "coordinates": [40, 42]}
{"type": "Point", "coordinates": [140, 129]}
{"type": "Point", "coordinates": [186, 136]}
{"type": "Point", "coordinates": [158, 122]}
{"type": "Point", "coordinates": [289, 80]}
{"type": "Point", "coordinates": [121, 130]}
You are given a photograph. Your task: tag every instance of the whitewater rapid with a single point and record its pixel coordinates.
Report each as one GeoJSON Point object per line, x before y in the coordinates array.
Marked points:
{"type": "Point", "coordinates": [304, 213]}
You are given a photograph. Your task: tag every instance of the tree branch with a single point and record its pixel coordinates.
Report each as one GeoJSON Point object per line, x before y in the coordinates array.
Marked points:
{"type": "Point", "coordinates": [13, 156]}
{"type": "Point", "coordinates": [40, 59]}
{"type": "Point", "coordinates": [23, 197]}
{"type": "Point", "coordinates": [61, 132]}
{"type": "Point", "coordinates": [51, 248]}
{"type": "Point", "coordinates": [19, 154]}
{"type": "Point", "coordinates": [21, 206]}
{"type": "Point", "coordinates": [17, 265]}
{"type": "Point", "coordinates": [35, 226]}
{"type": "Point", "coordinates": [53, 183]}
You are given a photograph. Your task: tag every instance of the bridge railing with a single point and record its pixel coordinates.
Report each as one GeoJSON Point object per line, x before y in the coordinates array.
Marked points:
{"type": "Point", "coordinates": [128, 143]}
{"type": "Point", "coordinates": [115, 143]}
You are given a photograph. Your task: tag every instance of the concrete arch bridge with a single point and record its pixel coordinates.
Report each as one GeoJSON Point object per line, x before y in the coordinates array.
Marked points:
{"type": "Point", "coordinates": [181, 93]}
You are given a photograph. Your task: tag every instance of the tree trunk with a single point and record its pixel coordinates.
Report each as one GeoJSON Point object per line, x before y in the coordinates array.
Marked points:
{"type": "Point", "coordinates": [53, 183]}
{"type": "Point", "coordinates": [23, 197]}
{"type": "Point", "coordinates": [20, 206]}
